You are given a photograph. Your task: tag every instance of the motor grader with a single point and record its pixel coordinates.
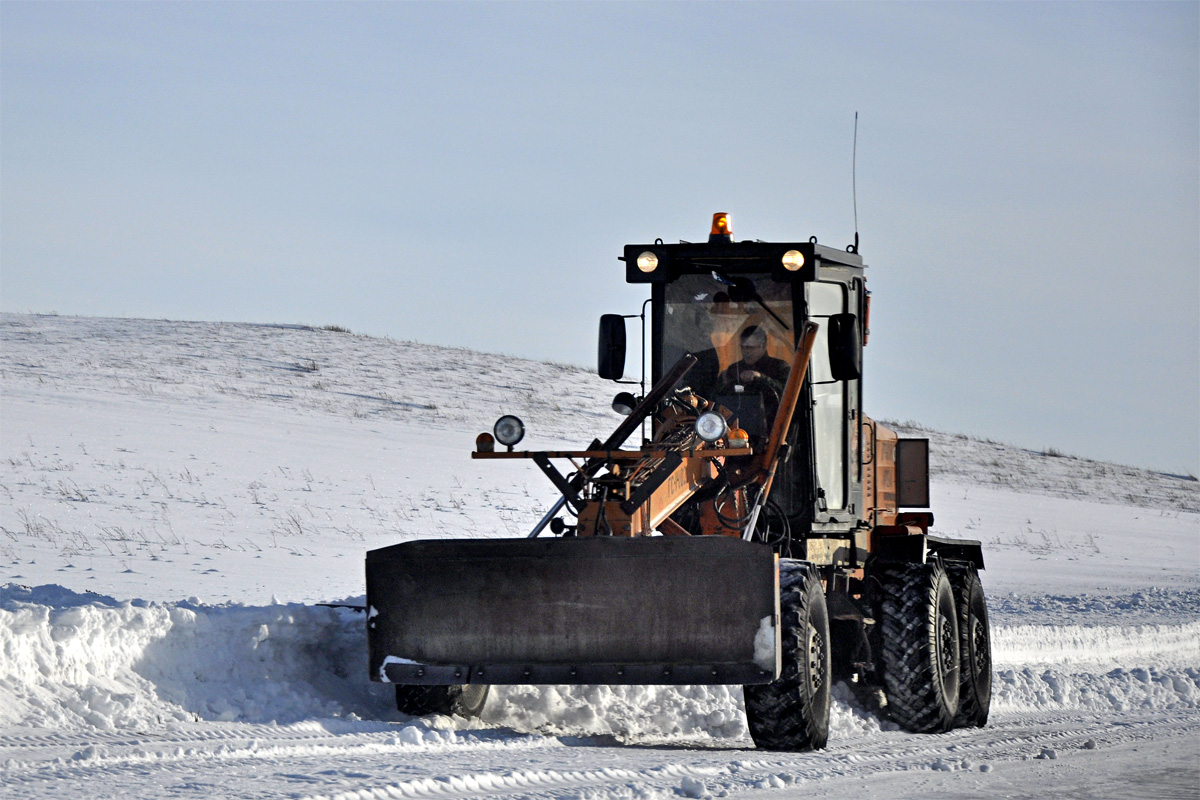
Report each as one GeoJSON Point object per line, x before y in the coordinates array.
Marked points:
{"type": "Point", "coordinates": [746, 523]}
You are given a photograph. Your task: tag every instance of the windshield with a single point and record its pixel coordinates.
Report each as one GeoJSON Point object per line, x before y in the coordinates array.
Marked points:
{"type": "Point", "coordinates": [739, 327]}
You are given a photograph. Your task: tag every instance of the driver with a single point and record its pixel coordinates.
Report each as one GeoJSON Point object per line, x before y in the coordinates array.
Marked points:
{"type": "Point", "coordinates": [755, 363]}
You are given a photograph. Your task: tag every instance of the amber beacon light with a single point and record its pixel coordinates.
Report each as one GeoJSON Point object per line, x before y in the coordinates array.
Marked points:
{"type": "Point", "coordinates": [721, 224]}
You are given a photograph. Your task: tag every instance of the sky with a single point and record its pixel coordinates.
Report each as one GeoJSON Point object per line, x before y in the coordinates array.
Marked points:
{"type": "Point", "coordinates": [1028, 181]}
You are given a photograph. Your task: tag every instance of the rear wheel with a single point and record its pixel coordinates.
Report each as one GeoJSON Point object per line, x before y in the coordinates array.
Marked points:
{"type": "Point", "coordinates": [975, 644]}
{"type": "Point", "coordinates": [792, 713]}
{"type": "Point", "coordinates": [465, 701]}
{"type": "Point", "coordinates": [920, 646]}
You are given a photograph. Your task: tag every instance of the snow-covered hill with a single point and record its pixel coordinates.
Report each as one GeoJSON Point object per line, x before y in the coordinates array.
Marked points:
{"type": "Point", "coordinates": [175, 497]}
{"type": "Point", "coordinates": [960, 459]}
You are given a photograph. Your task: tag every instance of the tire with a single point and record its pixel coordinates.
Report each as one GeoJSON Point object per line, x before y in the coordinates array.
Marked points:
{"type": "Point", "coordinates": [920, 646]}
{"type": "Point", "coordinates": [792, 713]}
{"type": "Point", "coordinates": [975, 647]}
{"type": "Point", "coordinates": [465, 701]}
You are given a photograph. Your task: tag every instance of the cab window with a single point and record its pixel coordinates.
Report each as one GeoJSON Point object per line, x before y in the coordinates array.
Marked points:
{"type": "Point", "coordinates": [829, 396]}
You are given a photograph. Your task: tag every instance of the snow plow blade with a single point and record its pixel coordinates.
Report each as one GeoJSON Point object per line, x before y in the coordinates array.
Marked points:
{"type": "Point", "coordinates": [595, 610]}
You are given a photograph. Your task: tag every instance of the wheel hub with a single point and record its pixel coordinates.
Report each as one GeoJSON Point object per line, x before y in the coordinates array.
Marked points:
{"type": "Point", "coordinates": [816, 658]}
{"type": "Point", "coordinates": [979, 646]}
{"type": "Point", "coordinates": [946, 646]}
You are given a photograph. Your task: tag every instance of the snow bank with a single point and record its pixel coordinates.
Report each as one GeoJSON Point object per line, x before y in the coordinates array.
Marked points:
{"type": "Point", "coordinates": [626, 711]}
{"type": "Point", "coordinates": [1147, 688]}
{"type": "Point", "coordinates": [78, 660]}
{"type": "Point", "coordinates": [652, 712]}
{"type": "Point", "coordinates": [1102, 646]}
{"type": "Point", "coordinates": [1101, 668]}
{"type": "Point", "coordinates": [88, 661]}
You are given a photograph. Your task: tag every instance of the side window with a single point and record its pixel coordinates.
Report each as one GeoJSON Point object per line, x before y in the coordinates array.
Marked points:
{"type": "Point", "coordinates": [829, 396]}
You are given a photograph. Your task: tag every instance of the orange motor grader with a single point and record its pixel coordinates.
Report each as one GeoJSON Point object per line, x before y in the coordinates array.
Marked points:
{"type": "Point", "coordinates": [758, 530]}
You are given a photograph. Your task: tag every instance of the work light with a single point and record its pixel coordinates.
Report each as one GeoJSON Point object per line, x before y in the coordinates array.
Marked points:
{"type": "Point", "coordinates": [793, 260]}
{"type": "Point", "coordinates": [509, 430]}
{"type": "Point", "coordinates": [624, 403]}
{"type": "Point", "coordinates": [710, 426]}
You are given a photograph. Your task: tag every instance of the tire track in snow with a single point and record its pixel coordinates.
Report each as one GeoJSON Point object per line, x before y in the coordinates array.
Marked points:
{"type": "Point", "coordinates": [470, 765]}
{"type": "Point", "coordinates": [84, 755]}
{"type": "Point", "coordinates": [638, 783]}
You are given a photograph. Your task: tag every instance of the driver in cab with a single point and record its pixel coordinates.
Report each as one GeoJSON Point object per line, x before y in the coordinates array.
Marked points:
{"type": "Point", "coordinates": [755, 364]}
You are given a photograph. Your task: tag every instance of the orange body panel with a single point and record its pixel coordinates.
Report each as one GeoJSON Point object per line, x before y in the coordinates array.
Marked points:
{"type": "Point", "coordinates": [620, 523]}
{"type": "Point", "coordinates": [879, 473]}
{"type": "Point", "coordinates": [692, 474]}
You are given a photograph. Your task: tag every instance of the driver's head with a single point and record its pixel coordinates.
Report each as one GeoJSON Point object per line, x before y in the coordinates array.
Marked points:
{"type": "Point", "coordinates": [754, 344]}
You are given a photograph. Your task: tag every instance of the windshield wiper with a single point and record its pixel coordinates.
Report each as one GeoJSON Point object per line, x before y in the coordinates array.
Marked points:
{"type": "Point", "coordinates": [743, 289]}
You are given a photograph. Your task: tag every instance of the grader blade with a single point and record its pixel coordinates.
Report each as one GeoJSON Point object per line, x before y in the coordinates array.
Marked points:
{"type": "Point", "coordinates": [603, 610]}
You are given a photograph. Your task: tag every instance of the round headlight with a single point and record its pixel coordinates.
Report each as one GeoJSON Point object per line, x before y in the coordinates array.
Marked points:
{"type": "Point", "coordinates": [793, 260]}
{"type": "Point", "coordinates": [710, 426]}
{"type": "Point", "coordinates": [509, 430]}
{"type": "Point", "coordinates": [647, 262]}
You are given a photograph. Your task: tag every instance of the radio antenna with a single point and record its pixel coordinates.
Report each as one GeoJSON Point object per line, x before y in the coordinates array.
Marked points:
{"type": "Point", "coordinates": [854, 180]}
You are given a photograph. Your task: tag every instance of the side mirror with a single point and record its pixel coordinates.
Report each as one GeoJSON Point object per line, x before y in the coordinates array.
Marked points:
{"type": "Point", "coordinates": [611, 356]}
{"type": "Point", "coordinates": [845, 347]}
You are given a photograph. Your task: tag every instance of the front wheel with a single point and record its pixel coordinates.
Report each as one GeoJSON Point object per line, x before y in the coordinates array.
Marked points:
{"type": "Point", "coordinates": [465, 701]}
{"type": "Point", "coordinates": [792, 713]}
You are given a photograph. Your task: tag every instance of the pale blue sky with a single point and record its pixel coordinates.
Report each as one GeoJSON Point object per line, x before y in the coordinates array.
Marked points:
{"type": "Point", "coordinates": [459, 173]}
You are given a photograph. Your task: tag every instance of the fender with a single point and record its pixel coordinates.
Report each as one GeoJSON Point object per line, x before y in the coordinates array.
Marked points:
{"type": "Point", "coordinates": [906, 547]}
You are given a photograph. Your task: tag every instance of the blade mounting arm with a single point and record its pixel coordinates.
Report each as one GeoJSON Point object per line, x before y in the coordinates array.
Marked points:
{"type": "Point", "coordinates": [766, 463]}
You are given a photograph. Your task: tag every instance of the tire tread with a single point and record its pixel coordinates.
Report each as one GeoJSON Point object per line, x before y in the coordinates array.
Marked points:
{"type": "Point", "coordinates": [780, 715]}
{"type": "Point", "coordinates": [974, 696]}
{"type": "Point", "coordinates": [908, 608]}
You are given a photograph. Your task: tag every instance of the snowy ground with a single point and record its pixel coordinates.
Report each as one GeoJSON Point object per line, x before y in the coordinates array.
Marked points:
{"type": "Point", "coordinates": [175, 497]}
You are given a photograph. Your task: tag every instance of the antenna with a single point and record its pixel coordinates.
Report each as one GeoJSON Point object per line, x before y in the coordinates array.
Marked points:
{"type": "Point", "coordinates": [854, 180]}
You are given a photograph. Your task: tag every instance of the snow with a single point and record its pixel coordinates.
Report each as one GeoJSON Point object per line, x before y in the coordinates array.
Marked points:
{"type": "Point", "coordinates": [766, 649]}
{"type": "Point", "coordinates": [176, 498]}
